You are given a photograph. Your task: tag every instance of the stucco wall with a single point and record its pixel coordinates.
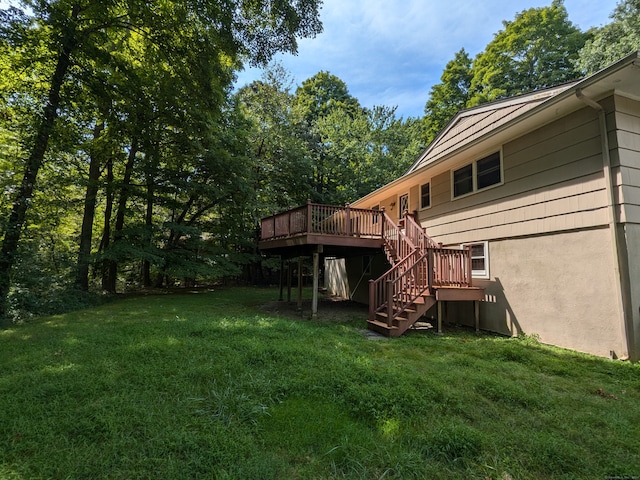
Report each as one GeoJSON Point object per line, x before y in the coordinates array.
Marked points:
{"type": "Point", "coordinates": [560, 287]}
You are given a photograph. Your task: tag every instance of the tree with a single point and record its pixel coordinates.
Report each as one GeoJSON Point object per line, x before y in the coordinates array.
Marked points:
{"type": "Point", "coordinates": [537, 49]}
{"type": "Point", "coordinates": [353, 150]}
{"type": "Point", "coordinates": [449, 96]}
{"type": "Point", "coordinates": [614, 40]}
{"type": "Point", "coordinates": [320, 97]}
{"type": "Point", "coordinates": [280, 162]}
{"type": "Point", "coordinates": [78, 36]}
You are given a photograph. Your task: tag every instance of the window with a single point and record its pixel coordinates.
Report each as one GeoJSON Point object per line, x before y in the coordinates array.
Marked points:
{"type": "Point", "coordinates": [404, 205]}
{"type": "Point", "coordinates": [425, 195]}
{"type": "Point", "coordinates": [463, 180]}
{"type": "Point", "coordinates": [478, 175]}
{"type": "Point", "coordinates": [488, 171]}
{"type": "Point", "coordinates": [479, 259]}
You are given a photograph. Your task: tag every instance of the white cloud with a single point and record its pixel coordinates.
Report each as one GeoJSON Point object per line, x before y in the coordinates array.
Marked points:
{"type": "Point", "coordinates": [390, 52]}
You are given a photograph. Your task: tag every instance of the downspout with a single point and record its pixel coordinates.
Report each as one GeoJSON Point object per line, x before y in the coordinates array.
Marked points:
{"type": "Point", "coordinates": [609, 186]}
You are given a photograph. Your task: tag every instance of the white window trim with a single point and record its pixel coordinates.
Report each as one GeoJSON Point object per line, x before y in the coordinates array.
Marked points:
{"type": "Point", "coordinates": [474, 176]}
{"type": "Point", "coordinates": [420, 196]}
{"type": "Point", "coordinates": [484, 274]}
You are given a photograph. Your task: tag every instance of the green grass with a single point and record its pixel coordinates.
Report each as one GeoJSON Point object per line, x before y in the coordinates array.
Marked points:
{"type": "Point", "coordinates": [209, 385]}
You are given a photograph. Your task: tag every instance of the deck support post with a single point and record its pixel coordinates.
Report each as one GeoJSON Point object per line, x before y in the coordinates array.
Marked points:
{"type": "Point", "coordinates": [440, 312]}
{"type": "Point", "coordinates": [288, 281]}
{"type": "Point", "coordinates": [299, 307]}
{"type": "Point", "coordinates": [316, 275]}
{"type": "Point", "coordinates": [476, 307]}
{"type": "Point", "coordinates": [281, 281]}
{"type": "Point", "coordinates": [389, 303]}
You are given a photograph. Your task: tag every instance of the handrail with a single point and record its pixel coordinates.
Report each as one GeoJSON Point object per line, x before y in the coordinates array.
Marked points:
{"type": "Point", "coordinates": [452, 267]}
{"type": "Point", "coordinates": [396, 240]}
{"type": "Point", "coordinates": [324, 220]}
{"type": "Point", "coordinates": [416, 233]}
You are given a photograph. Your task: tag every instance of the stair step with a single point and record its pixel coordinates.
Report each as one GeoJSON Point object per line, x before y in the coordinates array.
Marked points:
{"type": "Point", "coordinates": [382, 324]}
{"type": "Point", "coordinates": [385, 316]}
{"type": "Point", "coordinates": [384, 329]}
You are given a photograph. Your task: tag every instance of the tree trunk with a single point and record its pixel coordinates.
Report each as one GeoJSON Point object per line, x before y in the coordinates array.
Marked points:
{"type": "Point", "coordinates": [112, 274]}
{"type": "Point", "coordinates": [106, 231]}
{"type": "Point", "coordinates": [148, 220]}
{"type": "Point", "coordinates": [86, 232]}
{"type": "Point", "coordinates": [34, 162]}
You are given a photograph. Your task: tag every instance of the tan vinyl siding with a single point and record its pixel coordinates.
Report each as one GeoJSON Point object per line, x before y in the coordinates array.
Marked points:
{"type": "Point", "coordinates": [627, 174]}
{"type": "Point", "coordinates": [627, 195]}
{"type": "Point", "coordinates": [414, 198]}
{"type": "Point", "coordinates": [552, 182]}
{"type": "Point", "coordinates": [386, 206]}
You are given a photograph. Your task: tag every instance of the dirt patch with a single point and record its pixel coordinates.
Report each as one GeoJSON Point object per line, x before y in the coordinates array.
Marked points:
{"type": "Point", "coordinates": [330, 309]}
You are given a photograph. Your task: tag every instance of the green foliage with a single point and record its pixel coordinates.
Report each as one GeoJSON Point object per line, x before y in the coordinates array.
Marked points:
{"type": "Point", "coordinates": [614, 40]}
{"type": "Point", "coordinates": [141, 92]}
{"type": "Point", "coordinates": [321, 94]}
{"type": "Point", "coordinates": [449, 96]}
{"type": "Point", "coordinates": [537, 49]}
{"type": "Point", "coordinates": [279, 165]}
{"type": "Point", "coordinates": [207, 384]}
{"type": "Point", "coordinates": [352, 150]}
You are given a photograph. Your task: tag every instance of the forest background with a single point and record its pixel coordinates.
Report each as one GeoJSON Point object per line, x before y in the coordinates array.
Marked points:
{"type": "Point", "coordinates": [128, 160]}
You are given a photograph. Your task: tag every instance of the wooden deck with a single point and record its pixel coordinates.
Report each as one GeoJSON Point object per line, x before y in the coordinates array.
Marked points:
{"type": "Point", "coordinates": [422, 272]}
{"type": "Point", "coordinates": [333, 227]}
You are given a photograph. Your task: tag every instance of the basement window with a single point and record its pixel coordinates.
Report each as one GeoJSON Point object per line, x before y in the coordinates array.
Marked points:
{"type": "Point", "coordinates": [479, 259]}
{"type": "Point", "coordinates": [481, 174]}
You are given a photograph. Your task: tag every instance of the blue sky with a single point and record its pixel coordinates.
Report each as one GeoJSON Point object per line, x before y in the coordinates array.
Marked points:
{"type": "Point", "coordinates": [390, 52]}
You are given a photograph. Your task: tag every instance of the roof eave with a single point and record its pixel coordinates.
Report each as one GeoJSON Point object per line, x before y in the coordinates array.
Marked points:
{"type": "Point", "coordinates": [566, 96]}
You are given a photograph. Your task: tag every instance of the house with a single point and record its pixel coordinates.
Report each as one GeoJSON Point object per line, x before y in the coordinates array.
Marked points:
{"type": "Point", "coordinates": [541, 193]}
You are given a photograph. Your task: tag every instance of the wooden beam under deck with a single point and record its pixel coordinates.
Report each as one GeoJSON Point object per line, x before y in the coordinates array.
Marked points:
{"type": "Point", "coordinates": [312, 239]}
{"type": "Point", "coordinates": [465, 294]}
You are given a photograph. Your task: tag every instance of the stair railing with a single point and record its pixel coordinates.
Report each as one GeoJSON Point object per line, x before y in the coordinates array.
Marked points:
{"type": "Point", "coordinates": [380, 288]}
{"type": "Point", "coordinates": [452, 267]}
{"type": "Point", "coordinates": [407, 287]}
{"type": "Point", "coordinates": [396, 241]}
{"type": "Point", "coordinates": [417, 235]}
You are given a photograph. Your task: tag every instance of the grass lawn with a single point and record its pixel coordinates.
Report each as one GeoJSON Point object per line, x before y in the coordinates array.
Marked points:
{"type": "Point", "coordinates": [210, 385]}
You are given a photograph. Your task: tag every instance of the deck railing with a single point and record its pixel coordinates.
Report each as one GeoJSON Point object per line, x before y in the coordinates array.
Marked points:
{"type": "Point", "coordinates": [319, 219]}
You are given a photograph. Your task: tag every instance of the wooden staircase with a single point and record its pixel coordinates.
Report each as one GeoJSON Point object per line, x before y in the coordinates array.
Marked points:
{"type": "Point", "coordinates": [419, 266]}
{"type": "Point", "coordinates": [401, 320]}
